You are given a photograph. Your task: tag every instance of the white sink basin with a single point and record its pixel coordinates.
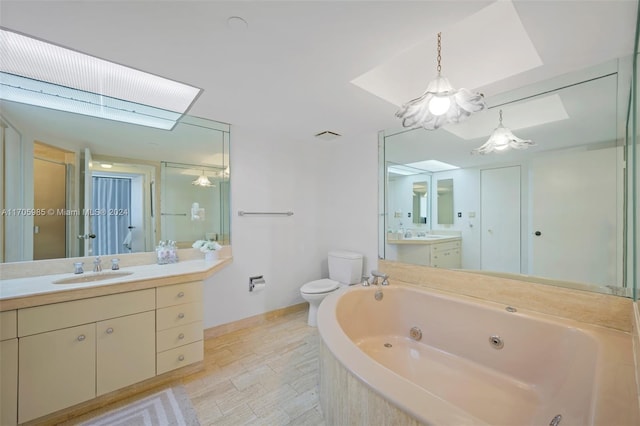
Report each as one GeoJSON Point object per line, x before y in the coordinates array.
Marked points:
{"type": "Point", "coordinates": [95, 276]}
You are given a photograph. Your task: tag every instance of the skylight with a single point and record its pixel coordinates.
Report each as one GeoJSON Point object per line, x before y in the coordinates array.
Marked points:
{"type": "Point", "coordinates": [419, 167]}
{"type": "Point", "coordinates": [42, 74]}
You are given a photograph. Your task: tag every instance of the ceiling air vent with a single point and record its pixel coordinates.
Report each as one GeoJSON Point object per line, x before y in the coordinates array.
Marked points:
{"type": "Point", "coordinates": [327, 135]}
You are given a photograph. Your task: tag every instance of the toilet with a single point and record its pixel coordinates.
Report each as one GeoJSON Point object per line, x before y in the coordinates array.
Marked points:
{"type": "Point", "coordinates": [345, 269]}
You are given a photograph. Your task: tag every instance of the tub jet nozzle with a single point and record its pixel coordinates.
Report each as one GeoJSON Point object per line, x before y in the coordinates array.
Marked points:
{"type": "Point", "coordinates": [415, 333]}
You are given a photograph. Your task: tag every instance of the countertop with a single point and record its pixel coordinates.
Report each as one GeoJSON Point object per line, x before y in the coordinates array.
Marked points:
{"type": "Point", "coordinates": [40, 290]}
{"type": "Point", "coordinates": [429, 239]}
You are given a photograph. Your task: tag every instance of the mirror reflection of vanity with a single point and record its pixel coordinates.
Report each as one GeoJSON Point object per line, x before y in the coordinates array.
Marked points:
{"type": "Point", "coordinates": [409, 200]}
{"type": "Point", "coordinates": [554, 213]}
{"type": "Point", "coordinates": [107, 187]}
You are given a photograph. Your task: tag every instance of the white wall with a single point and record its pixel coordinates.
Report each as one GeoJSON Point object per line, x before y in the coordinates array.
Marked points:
{"type": "Point", "coordinates": [332, 189]}
{"type": "Point", "coordinates": [351, 199]}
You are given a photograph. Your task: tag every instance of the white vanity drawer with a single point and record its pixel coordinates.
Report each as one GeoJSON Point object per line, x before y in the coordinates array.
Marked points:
{"type": "Point", "coordinates": [446, 259]}
{"type": "Point", "coordinates": [180, 357]}
{"type": "Point", "coordinates": [438, 247]}
{"type": "Point", "coordinates": [178, 336]}
{"type": "Point", "coordinates": [178, 315]}
{"type": "Point", "coordinates": [178, 294]}
{"type": "Point", "coordinates": [8, 325]}
{"type": "Point", "coordinates": [40, 319]}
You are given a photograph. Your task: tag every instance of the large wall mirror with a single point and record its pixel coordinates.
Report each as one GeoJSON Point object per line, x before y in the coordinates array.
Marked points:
{"type": "Point", "coordinates": [75, 185]}
{"type": "Point", "coordinates": [554, 213]}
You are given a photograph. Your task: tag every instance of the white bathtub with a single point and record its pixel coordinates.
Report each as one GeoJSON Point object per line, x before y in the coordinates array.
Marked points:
{"type": "Point", "coordinates": [455, 375]}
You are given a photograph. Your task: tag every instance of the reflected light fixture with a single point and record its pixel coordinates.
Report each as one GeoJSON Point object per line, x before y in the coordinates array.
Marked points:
{"type": "Point", "coordinates": [440, 103]}
{"type": "Point", "coordinates": [203, 181]}
{"type": "Point", "coordinates": [502, 140]}
{"type": "Point", "coordinates": [39, 73]}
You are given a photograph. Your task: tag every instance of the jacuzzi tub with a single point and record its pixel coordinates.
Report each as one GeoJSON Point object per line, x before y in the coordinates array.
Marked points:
{"type": "Point", "coordinates": [476, 363]}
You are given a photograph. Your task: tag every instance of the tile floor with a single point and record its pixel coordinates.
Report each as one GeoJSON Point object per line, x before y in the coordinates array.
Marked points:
{"type": "Point", "coordinates": [263, 375]}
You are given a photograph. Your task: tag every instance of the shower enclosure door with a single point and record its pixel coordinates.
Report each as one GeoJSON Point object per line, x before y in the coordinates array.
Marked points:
{"type": "Point", "coordinates": [191, 212]}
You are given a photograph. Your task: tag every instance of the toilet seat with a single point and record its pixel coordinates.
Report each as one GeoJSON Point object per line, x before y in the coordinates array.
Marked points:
{"type": "Point", "coordinates": [320, 286]}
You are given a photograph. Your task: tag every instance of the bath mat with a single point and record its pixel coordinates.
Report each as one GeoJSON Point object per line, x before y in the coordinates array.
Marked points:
{"type": "Point", "coordinates": [171, 407]}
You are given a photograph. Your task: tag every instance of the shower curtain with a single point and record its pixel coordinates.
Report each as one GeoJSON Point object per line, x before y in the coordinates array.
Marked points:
{"type": "Point", "coordinates": [111, 197]}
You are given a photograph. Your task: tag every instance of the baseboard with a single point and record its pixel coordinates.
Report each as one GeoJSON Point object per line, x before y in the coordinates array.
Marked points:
{"type": "Point", "coordinates": [219, 330]}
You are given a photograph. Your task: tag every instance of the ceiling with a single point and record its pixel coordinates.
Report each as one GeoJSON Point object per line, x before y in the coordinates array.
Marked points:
{"type": "Point", "coordinates": [292, 70]}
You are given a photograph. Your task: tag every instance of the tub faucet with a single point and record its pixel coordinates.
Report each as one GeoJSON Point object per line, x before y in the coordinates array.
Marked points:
{"type": "Point", "coordinates": [97, 265]}
{"type": "Point", "coordinates": [377, 274]}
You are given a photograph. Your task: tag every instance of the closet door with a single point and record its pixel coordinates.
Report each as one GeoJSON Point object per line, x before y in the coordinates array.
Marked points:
{"type": "Point", "coordinates": [575, 217]}
{"type": "Point", "coordinates": [500, 219]}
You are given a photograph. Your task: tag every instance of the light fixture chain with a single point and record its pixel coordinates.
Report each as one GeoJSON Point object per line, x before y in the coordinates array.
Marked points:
{"type": "Point", "coordinates": [501, 117]}
{"type": "Point", "coordinates": [439, 51]}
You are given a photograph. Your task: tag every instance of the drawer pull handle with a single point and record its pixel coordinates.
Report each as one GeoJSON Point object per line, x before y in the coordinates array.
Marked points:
{"type": "Point", "coordinates": [81, 337]}
{"type": "Point", "coordinates": [109, 330]}
{"type": "Point", "coordinates": [181, 358]}
{"type": "Point", "coordinates": [180, 315]}
{"type": "Point", "coordinates": [181, 294]}
{"type": "Point", "coordinates": [181, 336]}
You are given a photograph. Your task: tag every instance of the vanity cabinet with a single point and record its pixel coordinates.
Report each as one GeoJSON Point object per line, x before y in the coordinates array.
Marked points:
{"type": "Point", "coordinates": [117, 367]}
{"type": "Point", "coordinates": [446, 255]}
{"type": "Point", "coordinates": [179, 339]}
{"type": "Point", "coordinates": [8, 368]}
{"type": "Point", "coordinates": [57, 370]}
{"type": "Point", "coordinates": [54, 356]}
{"type": "Point", "coordinates": [73, 351]}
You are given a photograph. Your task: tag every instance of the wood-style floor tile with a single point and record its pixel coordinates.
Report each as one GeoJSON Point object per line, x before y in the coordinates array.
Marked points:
{"type": "Point", "coordinates": [265, 375]}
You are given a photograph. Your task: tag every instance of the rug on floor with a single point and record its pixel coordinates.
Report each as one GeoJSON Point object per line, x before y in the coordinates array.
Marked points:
{"type": "Point", "coordinates": [170, 407]}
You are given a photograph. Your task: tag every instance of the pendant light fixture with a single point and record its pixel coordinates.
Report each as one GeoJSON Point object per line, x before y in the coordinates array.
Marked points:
{"type": "Point", "coordinates": [203, 181]}
{"type": "Point", "coordinates": [502, 140]}
{"type": "Point", "coordinates": [440, 103]}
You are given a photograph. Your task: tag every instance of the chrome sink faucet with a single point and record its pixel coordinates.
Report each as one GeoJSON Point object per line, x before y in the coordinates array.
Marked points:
{"type": "Point", "coordinates": [377, 274]}
{"type": "Point", "coordinates": [97, 265]}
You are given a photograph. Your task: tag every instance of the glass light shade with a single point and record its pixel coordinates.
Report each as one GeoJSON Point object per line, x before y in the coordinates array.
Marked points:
{"type": "Point", "coordinates": [440, 104]}
{"type": "Point", "coordinates": [502, 140]}
{"type": "Point", "coordinates": [202, 180]}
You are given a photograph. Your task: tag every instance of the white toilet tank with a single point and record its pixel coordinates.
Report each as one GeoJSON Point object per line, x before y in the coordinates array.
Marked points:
{"type": "Point", "coordinates": [345, 267]}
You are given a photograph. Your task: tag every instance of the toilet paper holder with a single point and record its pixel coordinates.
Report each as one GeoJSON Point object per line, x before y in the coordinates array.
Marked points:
{"type": "Point", "coordinates": [253, 281]}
